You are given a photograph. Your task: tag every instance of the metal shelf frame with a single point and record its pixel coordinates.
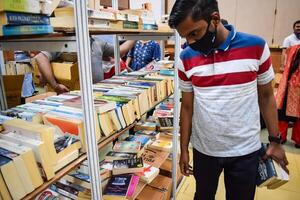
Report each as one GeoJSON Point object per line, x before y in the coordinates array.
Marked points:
{"type": "Point", "coordinates": [81, 44]}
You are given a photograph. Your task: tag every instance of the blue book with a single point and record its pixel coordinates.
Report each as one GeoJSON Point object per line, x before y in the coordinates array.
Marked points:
{"type": "Point", "coordinates": [118, 185]}
{"type": "Point", "coordinates": [25, 30]}
{"type": "Point", "coordinates": [143, 139]}
{"type": "Point", "coordinates": [13, 18]}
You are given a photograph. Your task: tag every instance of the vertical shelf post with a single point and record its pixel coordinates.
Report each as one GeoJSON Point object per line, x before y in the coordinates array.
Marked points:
{"type": "Point", "coordinates": [115, 5]}
{"type": "Point", "coordinates": [176, 116]}
{"type": "Point", "coordinates": [162, 42]}
{"type": "Point", "coordinates": [3, 103]}
{"type": "Point", "coordinates": [84, 59]}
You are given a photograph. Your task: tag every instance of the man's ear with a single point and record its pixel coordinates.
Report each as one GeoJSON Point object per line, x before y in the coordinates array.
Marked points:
{"type": "Point", "coordinates": [215, 18]}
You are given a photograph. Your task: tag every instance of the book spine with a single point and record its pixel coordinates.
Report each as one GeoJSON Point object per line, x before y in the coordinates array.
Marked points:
{"type": "Point", "coordinates": [133, 184]}
{"type": "Point", "coordinates": [26, 19]}
{"type": "Point", "coordinates": [26, 30]}
{"type": "Point", "coordinates": [27, 6]}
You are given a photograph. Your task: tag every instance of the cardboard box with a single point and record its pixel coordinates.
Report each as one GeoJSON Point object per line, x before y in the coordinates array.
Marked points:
{"type": "Point", "coordinates": [65, 71]}
{"type": "Point", "coordinates": [13, 89]}
{"type": "Point", "coordinates": [159, 189]}
{"type": "Point", "coordinates": [166, 170]}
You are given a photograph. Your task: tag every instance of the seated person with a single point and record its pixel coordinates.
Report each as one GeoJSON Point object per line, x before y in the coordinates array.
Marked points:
{"type": "Point", "coordinates": [99, 50]}
{"type": "Point", "coordinates": [142, 55]}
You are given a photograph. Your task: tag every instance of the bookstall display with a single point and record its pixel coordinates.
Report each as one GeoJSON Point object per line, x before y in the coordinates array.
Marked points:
{"type": "Point", "coordinates": [96, 142]}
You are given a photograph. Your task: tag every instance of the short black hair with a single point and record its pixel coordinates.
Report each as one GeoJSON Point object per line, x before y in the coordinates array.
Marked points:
{"type": "Point", "coordinates": [297, 22]}
{"type": "Point", "coordinates": [197, 9]}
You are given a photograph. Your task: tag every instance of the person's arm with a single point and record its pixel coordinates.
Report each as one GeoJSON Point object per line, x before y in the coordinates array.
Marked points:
{"type": "Point", "coordinates": [268, 109]}
{"type": "Point", "coordinates": [186, 115]}
{"type": "Point", "coordinates": [283, 60]}
{"type": "Point", "coordinates": [128, 61]}
{"type": "Point", "coordinates": [126, 46]}
{"type": "Point", "coordinates": [45, 69]}
{"type": "Point", "coordinates": [285, 45]}
{"type": "Point", "coordinates": [108, 49]}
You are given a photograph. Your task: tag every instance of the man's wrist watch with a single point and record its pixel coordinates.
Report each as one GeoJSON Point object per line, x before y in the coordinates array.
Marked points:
{"type": "Point", "coordinates": [275, 139]}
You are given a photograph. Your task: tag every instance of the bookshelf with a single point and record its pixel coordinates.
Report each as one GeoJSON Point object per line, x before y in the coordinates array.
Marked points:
{"type": "Point", "coordinates": [68, 41]}
{"type": "Point", "coordinates": [104, 141]}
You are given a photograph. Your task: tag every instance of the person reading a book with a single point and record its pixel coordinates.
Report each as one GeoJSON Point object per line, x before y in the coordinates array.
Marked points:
{"type": "Point", "coordinates": [288, 96]}
{"type": "Point", "coordinates": [143, 55]}
{"type": "Point", "coordinates": [100, 50]}
{"type": "Point", "coordinates": [291, 40]}
{"type": "Point", "coordinates": [225, 79]}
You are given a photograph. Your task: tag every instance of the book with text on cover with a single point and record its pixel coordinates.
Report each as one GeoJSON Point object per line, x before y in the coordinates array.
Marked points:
{"type": "Point", "coordinates": [269, 172]}
{"type": "Point", "coordinates": [128, 166]}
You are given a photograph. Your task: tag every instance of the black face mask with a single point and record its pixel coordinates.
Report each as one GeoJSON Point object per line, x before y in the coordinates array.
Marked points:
{"type": "Point", "coordinates": [206, 43]}
{"type": "Point", "coordinates": [297, 35]}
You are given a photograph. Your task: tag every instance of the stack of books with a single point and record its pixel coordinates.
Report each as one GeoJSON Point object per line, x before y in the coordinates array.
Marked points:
{"type": "Point", "coordinates": [24, 17]}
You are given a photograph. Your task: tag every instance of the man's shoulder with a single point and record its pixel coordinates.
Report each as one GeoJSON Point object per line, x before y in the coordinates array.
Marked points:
{"type": "Point", "coordinates": [246, 39]}
{"type": "Point", "coordinates": [188, 53]}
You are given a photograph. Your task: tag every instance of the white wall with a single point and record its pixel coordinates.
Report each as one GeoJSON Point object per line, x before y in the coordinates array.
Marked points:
{"type": "Point", "coordinates": [156, 6]}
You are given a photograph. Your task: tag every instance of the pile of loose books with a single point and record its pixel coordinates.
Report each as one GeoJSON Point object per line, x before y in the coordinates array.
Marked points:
{"type": "Point", "coordinates": [24, 17]}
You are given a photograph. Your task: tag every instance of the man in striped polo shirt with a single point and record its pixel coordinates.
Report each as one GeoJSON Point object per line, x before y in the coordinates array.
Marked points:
{"type": "Point", "coordinates": [225, 81]}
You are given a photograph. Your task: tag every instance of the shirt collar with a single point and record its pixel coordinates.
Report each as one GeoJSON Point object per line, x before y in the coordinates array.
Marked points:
{"type": "Point", "coordinates": [226, 44]}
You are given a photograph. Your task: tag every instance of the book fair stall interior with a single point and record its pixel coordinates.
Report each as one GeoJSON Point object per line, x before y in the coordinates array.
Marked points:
{"type": "Point", "coordinates": [149, 99]}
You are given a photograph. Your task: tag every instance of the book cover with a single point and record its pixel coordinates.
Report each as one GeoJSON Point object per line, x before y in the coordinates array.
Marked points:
{"type": "Point", "coordinates": [112, 155]}
{"type": "Point", "coordinates": [40, 152]}
{"type": "Point", "coordinates": [13, 18]}
{"type": "Point", "coordinates": [126, 146]}
{"type": "Point", "coordinates": [163, 145]}
{"type": "Point", "coordinates": [152, 134]}
{"type": "Point", "coordinates": [148, 174]}
{"type": "Point", "coordinates": [26, 154]}
{"type": "Point", "coordinates": [65, 190]}
{"type": "Point", "coordinates": [27, 6]}
{"type": "Point", "coordinates": [143, 139]}
{"type": "Point", "coordinates": [154, 157]}
{"type": "Point", "coordinates": [150, 126]}
{"type": "Point", "coordinates": [25, 30]}
{"type": "Point", "coordinates": [266, 173]}
{"type": "Point", "coordinates": [118, 185]}
{"type": "Point", "coordinates": [128, 166]}
{"type": "Point", "coordinates": [11, 178]}
{"type": "Point", "coordinates": [132, 187]}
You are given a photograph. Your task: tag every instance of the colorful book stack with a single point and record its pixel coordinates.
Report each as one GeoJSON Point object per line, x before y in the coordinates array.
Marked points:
{"type": "Point", "coordinates": [24, 17]}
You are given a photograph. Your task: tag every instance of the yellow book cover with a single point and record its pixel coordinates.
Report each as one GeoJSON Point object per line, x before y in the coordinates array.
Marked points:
{"type": "Point", "coordinates": [4, 193]}
{"type": "Point", "coordinates": [35, 131]}
{"type": "Point", "coordinates": [26, 154]}
{"type": "Point", "coordinates": [11, 178]}
{"type": "Point", "coordinates": [39, 149]}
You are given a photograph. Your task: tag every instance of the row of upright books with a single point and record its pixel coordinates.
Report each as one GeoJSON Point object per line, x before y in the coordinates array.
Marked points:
{"type": "Point", "coordinates": [25, 17]}
{"type": "Point", "coordinates": [107, 19]}
{"type": "Point", "coordinates": [51, 130]}
{"type": "Point", "coordinates": [131, 168]}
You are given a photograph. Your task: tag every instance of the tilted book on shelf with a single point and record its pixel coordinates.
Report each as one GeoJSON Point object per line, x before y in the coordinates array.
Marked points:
{"type": "Point", "coordinates": [11, 178]}
{"type": "Point", "coordinates": [27, 155]}
{"type": "Point", "coordinates": [127, 166]}
{"type": "Point", "coordinates": [126, 146]}
{"type": "Point", "coordinates": [40, 152]}
{"type": "Point", "coordinates": [112, 155]}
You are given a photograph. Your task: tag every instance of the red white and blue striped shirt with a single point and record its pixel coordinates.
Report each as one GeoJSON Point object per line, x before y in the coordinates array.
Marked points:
{"type": "Point", "coordinates": [226, 112]}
